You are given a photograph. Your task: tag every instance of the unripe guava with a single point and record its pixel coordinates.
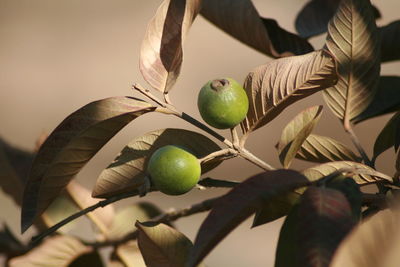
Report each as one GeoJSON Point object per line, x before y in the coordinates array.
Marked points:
{"type": "Point", "coordinates": [173, 170]}
{"type": "Point", "coordinates": [223, 103]}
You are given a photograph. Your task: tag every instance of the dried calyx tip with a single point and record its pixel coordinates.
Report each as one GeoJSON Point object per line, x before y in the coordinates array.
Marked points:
{"type": "Point", "coordinates": [219, 84]}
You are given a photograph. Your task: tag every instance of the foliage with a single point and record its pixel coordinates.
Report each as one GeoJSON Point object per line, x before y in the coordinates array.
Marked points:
{"type": "Point", "coordinates": [323, 203]}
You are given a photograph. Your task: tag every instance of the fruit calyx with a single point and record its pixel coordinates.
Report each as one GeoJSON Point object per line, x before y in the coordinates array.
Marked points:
{"type": "Point", "coordinates": [219, 84]}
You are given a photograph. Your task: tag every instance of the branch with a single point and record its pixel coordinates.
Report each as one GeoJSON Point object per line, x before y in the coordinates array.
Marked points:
{"type": "Point", "coordinates": [210, 182]}
{"type": "Point", "coordinates": [247, 155]}
{"type": "Point", "coordinates": [223, 153]}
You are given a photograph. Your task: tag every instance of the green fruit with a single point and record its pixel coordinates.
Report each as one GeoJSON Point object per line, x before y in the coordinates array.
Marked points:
{"type": "Point", "coordinates": [173, 170]}
{"type": "Point", "coordinates": [223, 103]}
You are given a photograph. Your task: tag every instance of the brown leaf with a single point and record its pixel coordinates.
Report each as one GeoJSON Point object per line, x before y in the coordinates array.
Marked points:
{"type": "Point", "coordinates": [354, 42]}
{"type": "Point", "coordinates": [387, 137]}
{"type": "Point", "coordinates": [240, 19]}
{"type": "Point", "coordinates": [128, 171]}
{"type": "Point", "coordinates": [296, 132]}
{"type": "Point", "coordinates": [322, 149]}
{"type": "Point", "coordinates": [375, 242]}
{"type": "Point", "coordinates": [71, 145]}
{"type": "Point", "coordinates": [162, 245]}
{"type": "Point", "coordinates": [238, 204]}
{"type": "Point", "coordinates": [161, 52]}
{"type": "Point", "coordinates": [276, 85]}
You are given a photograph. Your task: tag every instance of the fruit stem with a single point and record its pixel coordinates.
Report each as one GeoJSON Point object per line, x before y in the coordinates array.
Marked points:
{"type": "Point", "coordinates": [247, 155]}
{"type": "Point", "coordinates": [228, 152]}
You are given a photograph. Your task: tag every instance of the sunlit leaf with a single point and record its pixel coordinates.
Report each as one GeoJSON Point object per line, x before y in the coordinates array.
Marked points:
{"type": "Point", "coordinates": [362, 173]}
{"type": "Point", "coordinates": [240, 19]}
{"type": "Point", "coordinates": [71, 145]}
{"type": "Point", "coordinates": [324, 219]}
{"type": "Point", "coordinates": [390, 41]}
{"type": "Point", "coordinates": [314, 17]}
{"type": "Point", "coordinates": [60, 251]}
{"type": "Point", "coordinates": [386, 100]}
{"type": "Point", "coordinates": [127, 172]}
{"type": "Point", "coordinates": [274, 86]}
{"type": "Point", "coordinates": [161, 52]}
{"type": "Point", "coordinates": [375, 242]}
{"type": "Point", "coordinates": [389, 136]}
{"type": "Point", "coordinates": [296, 132]}
{"type": "Point", "coordinates": [322, 149]}
{"type": "Point", "coordinates": [353, 39]}
{"type": "Point", "coordinates": [238, 204]}
{"type": "Point", "coordinates": [162, 245]}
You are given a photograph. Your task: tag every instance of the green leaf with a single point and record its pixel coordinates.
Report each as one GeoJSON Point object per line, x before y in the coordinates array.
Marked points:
{"type": "Point", "coordinates": [390, 41]}
{"type": "Point", "coordinates": [60, 251]}
{"type": "Point", "coordinates": [388, 136]}
{"type": "Point", "coordinates": [354, 42]}
{"type": "Point", "coordinates": [161, 53]}
{"type": "Point", "coordinates": [296, 132]}
{"type": "Point", "coordinates": [238, 204]}
{"type": "Point", "coordinates": [322, 149]}
{"type": "Point", "coordinates": [375, 242]}
{"type": "Point", "coordinates": [128, 171]}
{"type": "Point", "coordinates": [362, 173]}
{"type": "Point", "coordinates": [313, 18]}
{"type": "Point", "coordinates": [240, 19]}
{"type": "Point", "coordinates": [386, 100]}
{"type": "Point", "coordinates": [275, 208]}
{"type": "Point", "coordinates": [276, 85]}
{"type": "Point", "coordinates": [162, 245]}
{"type": "Point", "coordinates": [324, 219]}
{"type": "Point", "coordinates": [71, 145]}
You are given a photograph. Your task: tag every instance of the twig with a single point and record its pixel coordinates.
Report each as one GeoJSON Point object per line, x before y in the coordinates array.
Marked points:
{"type": "Point", "coordinates": [357, 144]}
{"type": "Point", "coordinates": [247, 155]}
{"type": "Point", "coordinates": [225, 153]}
{"type": "Point", "coordinates": [235, 138]}
{"type": "Point", "coordinates": [163, 218]}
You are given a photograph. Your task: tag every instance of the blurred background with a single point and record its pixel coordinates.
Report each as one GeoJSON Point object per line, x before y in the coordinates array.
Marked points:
{"type": "Point", "coordinates": [58, 55]}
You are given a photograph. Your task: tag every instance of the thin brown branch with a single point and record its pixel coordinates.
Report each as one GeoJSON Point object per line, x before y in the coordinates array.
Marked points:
{"type": "Point", "coordinates": [348, 128]}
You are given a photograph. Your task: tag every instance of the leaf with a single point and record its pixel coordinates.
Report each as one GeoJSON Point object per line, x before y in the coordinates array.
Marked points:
{"type": "Point", "coordinates": [60, 251]}
{"type": "Point", "coordinates": [296, 132]}
{"type": "Point", "coordinates": [322, 149]}
{"type": "Point", "coordinates": [390, 41]}
{"type": "Point", "coordinates": [324, 219]}
{"type": "Point", "coordinates": [388, 136]}
{"type": "Point", "coordinates": [354, 42]}
{"type": "Point", "coordinates": [362, 173]}
{"type": "Point", "coordinates": [9, 244]}
{"type": "Point", "coordinates": [71, 145]}
{"type": "Point", "coordinates": [276, 85]}
{"type": "Point", "coordinates": [275, 208]}
{"type": "Point", "coordinates": [313, 18]}
{"type": "Point", "coordinates": [162, 245]}
{"type": "Point", "coordinates": [240, 19]}
{"type": "Point", "coordinates": [161, 52]}
{"type": "Point", "coordinates": [130, 254]}
{"type": "Point", "coordinates": [238, 204]}
{"type": "Point", "coordinates": [128, 171]}
{"type": "Point", "coordinates": [386, 100]}
{"type": "Point", "coordinates": [375, 242]}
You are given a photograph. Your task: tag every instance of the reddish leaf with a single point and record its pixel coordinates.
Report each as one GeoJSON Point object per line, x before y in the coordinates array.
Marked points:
{"type": "Point", "coordinates": [237, 205]}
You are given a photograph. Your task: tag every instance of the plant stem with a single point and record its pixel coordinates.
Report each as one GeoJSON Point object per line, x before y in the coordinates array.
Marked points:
{"type": "Point", "coordinates": [357, 144]}
{"type": "Point", "coordinates": [228, 152]}
{"type": "Point", "coordinates": [247, 155]}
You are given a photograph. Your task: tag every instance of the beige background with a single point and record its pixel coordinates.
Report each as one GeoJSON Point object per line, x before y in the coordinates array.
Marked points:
{"type": "Point", "coordinates": [58, 55]}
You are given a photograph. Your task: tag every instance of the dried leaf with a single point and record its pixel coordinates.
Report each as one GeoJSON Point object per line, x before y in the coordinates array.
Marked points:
{"type": "Point", "coordinates": [60, 251]}
{"type": "Point", "coordinates": [71, 145]}
{"type": "Point", "coordinates": [274, 86]}
{"type": "Point", "coordinates": [296, 132]}
{"type": "Point", "coordinates": [375, 242]}
{"type": "Point", "coordinates": [322, 149]}
{"type": "Point", "coordinates": [127, 172]}
{"type": "Point", "coordinates": [390, 41]}
{"type": "Point", "coordinates": [162, 245]}
{"type": "Point", "coordinates": [240, 19]}
{"type": "Point", "coordinates": [161, 52]}
{"type": "Point", "coordinates": [324, 219]}
{"type": "Point", "coordinates": [238, 204]}
{"type": "Point", "coordinates": [353, 39]}
{"type": "Point", "coordinates": [388, 136]}
{"type": "Point", "coordinates": [314, 17]}
{"type": "Point", "coordinates": [386, 100]}
{"type": "Point", "coordinates": [362, 173]}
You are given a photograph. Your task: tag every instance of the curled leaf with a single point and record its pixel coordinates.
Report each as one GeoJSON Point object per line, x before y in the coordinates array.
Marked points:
{"type": "Point", "coordinates": [128, 171]}
{"type": "Point", "coordinates": [276, 85]}
{"type": "Point", "coordinates": [71, 145]}
{"type": "Point", "coordinates": [161, 52]}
